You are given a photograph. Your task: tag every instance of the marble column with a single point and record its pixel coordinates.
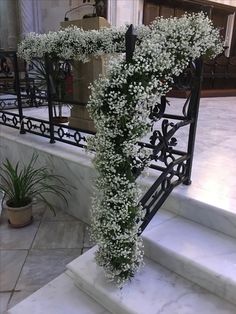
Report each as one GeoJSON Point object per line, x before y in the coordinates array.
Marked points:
{"type": "Point", "coordinates": [12, 23]}
{"type": "Point", "coordinates": [2, 29]}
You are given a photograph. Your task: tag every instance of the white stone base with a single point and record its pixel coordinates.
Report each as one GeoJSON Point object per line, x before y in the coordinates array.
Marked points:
{"type": "Point", "coordinates": [60, 296]}
{"type": "Point", "coordinates": [75, 164]}
{"type": "Point", "coordinates": [68, 161]}
{"type": "Point", "coordinates": [153, 290]}
{"type": "Point", "coordinates": [200, 254]}
{"type": "Point", "coordinates": [188, 201]}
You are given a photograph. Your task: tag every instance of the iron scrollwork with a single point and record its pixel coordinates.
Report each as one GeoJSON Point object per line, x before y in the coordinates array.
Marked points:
{"type": "Point", "coordinates": [174, 165]}
{"type": "Point", "coordinates": [158, 110]}
{"type": "Point", "coordinates": [187, 78]}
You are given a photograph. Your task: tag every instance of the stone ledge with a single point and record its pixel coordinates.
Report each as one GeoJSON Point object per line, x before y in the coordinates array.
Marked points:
{"type": "Point", "coordinates": [153, 290]}
{"type": "Point", "coordinates": [202, 255]}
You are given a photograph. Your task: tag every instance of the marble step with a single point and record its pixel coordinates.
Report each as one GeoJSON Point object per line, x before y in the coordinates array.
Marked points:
{"type": "Point", "coordinates": [199, 254]}
{"type": "Point", "coordinates": [220, 215]}
{"type": "Point", "coordinates": [60, 296]}
{"type": "Point", "coordinates": [153, 290]}
{"type": "Point", "coordinates": [202, 206]}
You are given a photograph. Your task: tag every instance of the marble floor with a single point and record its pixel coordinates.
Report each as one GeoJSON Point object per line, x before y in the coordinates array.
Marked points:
{"type": "Point", "coordinates": [214, 169]}
{"type": "Point", "coordinates": [32, 256]}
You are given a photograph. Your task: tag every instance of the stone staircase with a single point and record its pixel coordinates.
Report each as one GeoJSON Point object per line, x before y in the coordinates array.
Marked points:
{"type": "Point", "coordinates": [190, 267]}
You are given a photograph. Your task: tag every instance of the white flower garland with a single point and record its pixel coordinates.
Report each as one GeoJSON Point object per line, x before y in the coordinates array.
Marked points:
{"type": "Point", "coordinates": [120, 105]}
{"type": "Point", "coordinates": [75, 43]}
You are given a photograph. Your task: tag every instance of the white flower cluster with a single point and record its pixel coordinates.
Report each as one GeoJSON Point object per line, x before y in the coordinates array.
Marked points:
{"type": "Point", "coordinates": [120, 105]}
{"type": "Point", "coordinates": [75, 43]}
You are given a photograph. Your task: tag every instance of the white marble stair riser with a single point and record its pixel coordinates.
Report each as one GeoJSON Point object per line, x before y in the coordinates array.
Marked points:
{"type": "Point", "coordinates": [200, 254]}
{"type": "Point", "coordinates": [76, 166]}
{"type": "Point", "coordinates": [69, 161]}
{"type": "Point", "coordinates": [213, 216]}
{"type": "Point", "coordinates": [153, 290]}
{"type": "Point", "coordinates": [199, 205]}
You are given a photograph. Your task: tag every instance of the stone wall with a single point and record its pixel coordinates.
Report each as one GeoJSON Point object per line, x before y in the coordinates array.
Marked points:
{"type": "Point", "coordinates": [53, 12]}
{"type": "Point", "coordinates": [66, 160]}
{"type": "Point", "coordinates": [62, 159]}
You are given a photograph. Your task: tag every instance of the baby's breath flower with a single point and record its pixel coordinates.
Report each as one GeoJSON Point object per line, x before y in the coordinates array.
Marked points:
{"type": "Point", "coordinates": [120, 106]}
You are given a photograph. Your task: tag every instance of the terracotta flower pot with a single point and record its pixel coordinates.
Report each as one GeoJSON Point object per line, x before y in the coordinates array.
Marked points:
{"type": "Point", "coordinates": [19, 216]}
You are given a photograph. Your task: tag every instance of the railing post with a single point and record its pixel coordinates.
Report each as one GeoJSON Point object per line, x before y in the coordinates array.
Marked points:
{"type": "Point", "coordinates": [18, 93]}
{"type": "Point", "coordinates": [49, 97]}
{"type": "Point", "coordinates": [130, 39]}
{"type": "Point", "coordinates": [193, 115]}
{"type": "Point", "coordinates": [195, 107]}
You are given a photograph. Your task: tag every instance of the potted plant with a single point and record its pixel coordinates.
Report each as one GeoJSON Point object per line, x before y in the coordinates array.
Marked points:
{"type": "Point", "coordinates": [22, 185]}
{"type": "Point", "coordinates": [60, 72]}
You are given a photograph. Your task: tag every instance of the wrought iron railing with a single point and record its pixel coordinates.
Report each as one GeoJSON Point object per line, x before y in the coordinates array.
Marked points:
{"type": "Point", "coordinates": [173, 165]}
{"type": "Point", "coordinates": [14, 81]}
{"type": "Point", "coordinates": [23, 91]}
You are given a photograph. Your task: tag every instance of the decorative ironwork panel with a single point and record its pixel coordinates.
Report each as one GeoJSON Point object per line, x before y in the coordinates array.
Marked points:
{"type": "Point", "coordinates": [10, 119]}
{"type": "Point", "coordinates": [173, 164]}
{"type": "Point", "coordinates": [62, 133]}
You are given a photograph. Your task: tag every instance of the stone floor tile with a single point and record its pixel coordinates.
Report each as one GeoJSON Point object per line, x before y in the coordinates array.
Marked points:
{"type": "Point", "coordinates": [18, 296]}
{"type": "Point", "coordinates": [11, 263]}
{"type": "Point", "coordinates": [12, 238]}
{"type": "Point", "coordinates": [60, 216]}
{"type": "Point", "coordinates": [42, 266]}
{"type": "Point", "coordinates": [39, 210]}
{"type": "Point", "coordinates": [4, 298]}
{"type": "Point", "coordinates": [59, 235]}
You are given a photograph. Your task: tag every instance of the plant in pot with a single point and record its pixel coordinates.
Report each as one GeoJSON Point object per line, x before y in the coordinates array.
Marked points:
{"type": "Point", "coordinates": [22, 185]}
{"type": "Point", "coordinates": [60, 72]}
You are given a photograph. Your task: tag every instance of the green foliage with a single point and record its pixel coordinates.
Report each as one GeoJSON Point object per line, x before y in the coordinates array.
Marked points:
{"type": "Point", "coordinates": [57, 75]}
{"type": "Point", "coordinates": [22, 184]}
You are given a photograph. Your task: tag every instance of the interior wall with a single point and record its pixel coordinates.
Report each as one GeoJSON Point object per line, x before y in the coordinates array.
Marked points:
{"type": "Point", "coordinates": [167, 8]}
{"type": "Point", "coordinates": [126, 12]}
{"type": "Point", "coordinates": [53, 12]}
{"type": "Point", "coordinates": [120, 12]}
{"type": "Point", "coordinates": [219, 74]}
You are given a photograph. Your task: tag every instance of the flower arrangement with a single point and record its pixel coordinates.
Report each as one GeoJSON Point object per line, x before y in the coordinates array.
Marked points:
{"type": "Point", "coordinates": [120, 106]}
{"type": "Point", "coordinates": [73, 43]}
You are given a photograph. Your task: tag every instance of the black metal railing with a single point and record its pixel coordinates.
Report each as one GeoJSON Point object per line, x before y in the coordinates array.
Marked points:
{"type": "Point", "coordinates": [174, 166]}
{"type": "Point", "coordinates": [173, 162]}
{"type": "Point", "coordinates": [14, 81]}
{"type": "Point", "coordinates": [24, 91]}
